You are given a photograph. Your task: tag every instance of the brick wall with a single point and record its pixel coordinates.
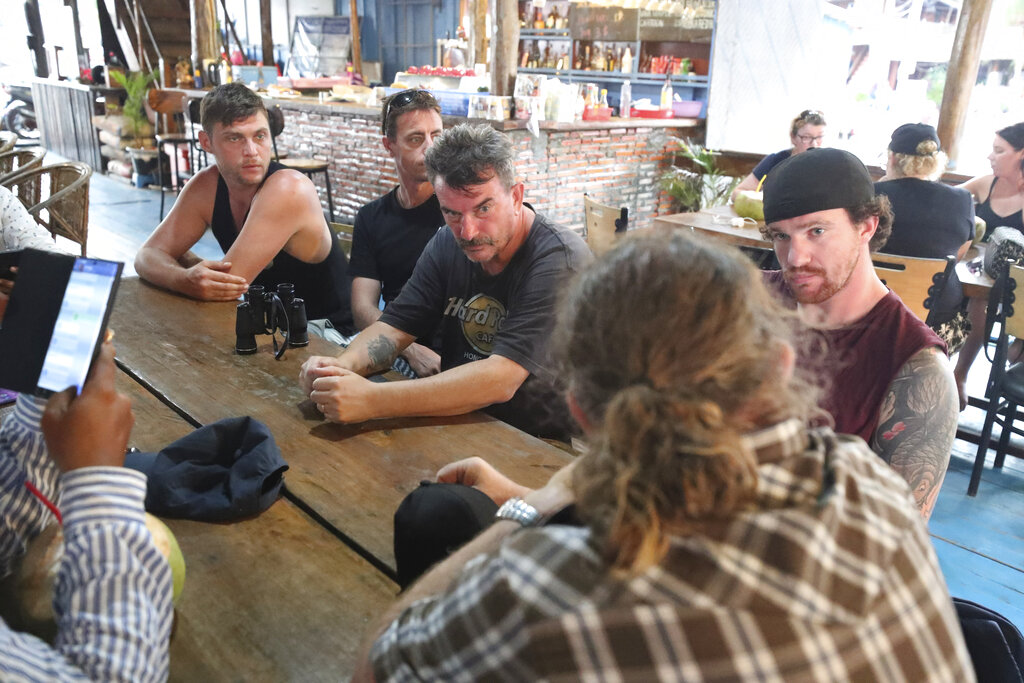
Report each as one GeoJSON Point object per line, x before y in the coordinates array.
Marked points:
{"type": "Point", "coordinates": [617, 166]}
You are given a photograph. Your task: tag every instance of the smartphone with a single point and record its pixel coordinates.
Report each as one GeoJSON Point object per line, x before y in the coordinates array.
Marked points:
{"type": "Point", "coordinates": [55, 321]}
{"type": "Point", "coordinates": [81, 324]}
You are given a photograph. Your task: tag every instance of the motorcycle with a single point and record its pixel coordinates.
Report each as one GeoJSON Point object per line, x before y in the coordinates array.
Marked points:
{"type": "Point", "coordinates": [18, 115]}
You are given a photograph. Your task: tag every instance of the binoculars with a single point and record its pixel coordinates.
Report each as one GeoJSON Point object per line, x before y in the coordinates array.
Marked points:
{"type": "Point", "coordinates": [264, 312]}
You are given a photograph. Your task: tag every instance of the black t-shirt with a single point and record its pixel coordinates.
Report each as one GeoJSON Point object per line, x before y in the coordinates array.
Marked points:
{"type": "Point", "coordinates": [930, 220]}
{"type": "Point", "coordinates": [510, 314]}
{"type": "Point", "coordinates": [325, 287]}
{"type": "Point", "coordinates": [387, 240]}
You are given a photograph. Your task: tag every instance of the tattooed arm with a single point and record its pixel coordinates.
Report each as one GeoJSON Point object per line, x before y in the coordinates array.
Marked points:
{"type": "Point", "coordinates": [917, 424]}
{"type": "Point", "coordinates": [340, 391]}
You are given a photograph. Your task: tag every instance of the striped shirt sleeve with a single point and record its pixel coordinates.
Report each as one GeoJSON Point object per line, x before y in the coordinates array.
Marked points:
{"type": "Point", "coordinates": [23, 457]}
{"type": "Point", "coordinates": [113, 590]}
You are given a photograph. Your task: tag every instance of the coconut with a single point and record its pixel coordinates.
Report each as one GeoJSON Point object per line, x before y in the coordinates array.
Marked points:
{"type": "Point", "coordinates": [36, 575]}
{"type": "Point", "coordinates": [750, 204]}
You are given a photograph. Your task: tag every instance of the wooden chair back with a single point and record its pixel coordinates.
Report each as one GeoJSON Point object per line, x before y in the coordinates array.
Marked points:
{"type": "Point", "coordinates": [169, 107]}
{"type": "Point", "coordinates": [602, 222]}
{"type": "Point", "coordinates": [57, 197]}
{"type": "Point", "coordinates": [917, 281]}
{"type": "Point", "coordinates": [15, 161]}
{"type": "Point", "coordinates": [343, 233]}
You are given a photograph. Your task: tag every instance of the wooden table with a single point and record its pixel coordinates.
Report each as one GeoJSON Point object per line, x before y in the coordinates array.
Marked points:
{"type": "Point", "coordinates": [716, 222]}
{"type": "Point", "coordinates": [976, 283]}
{"type": "Point", "coordinates": [273, 598]}
{"type": "Point", "coordinates": [353, 476]}
{"type": "Point", "coordinates": [287, 596]}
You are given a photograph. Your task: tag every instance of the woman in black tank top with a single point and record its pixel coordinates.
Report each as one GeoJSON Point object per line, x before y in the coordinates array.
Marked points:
{"type": "Point", "coordinates": [1006, 186]}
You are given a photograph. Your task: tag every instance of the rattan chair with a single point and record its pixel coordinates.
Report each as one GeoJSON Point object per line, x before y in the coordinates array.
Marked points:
{"type": "Point", "coordinates": [57, 197]}
{"type": "Point", "coordinates": [14, 162]}
{"type": "Point", "coordinates": [7, 141]}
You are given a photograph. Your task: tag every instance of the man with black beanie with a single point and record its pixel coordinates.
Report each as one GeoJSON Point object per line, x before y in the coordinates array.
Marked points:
{"type": "Point", "coordinates": [885, 373]}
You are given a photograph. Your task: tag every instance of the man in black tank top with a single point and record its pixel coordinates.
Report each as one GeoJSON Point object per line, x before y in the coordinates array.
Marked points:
{"type": "Point", "coordinates": [268, 220]}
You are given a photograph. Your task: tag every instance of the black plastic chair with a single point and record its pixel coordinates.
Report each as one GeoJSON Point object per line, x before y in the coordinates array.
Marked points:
{"type": "Point", "coordinates": [1005, 388]}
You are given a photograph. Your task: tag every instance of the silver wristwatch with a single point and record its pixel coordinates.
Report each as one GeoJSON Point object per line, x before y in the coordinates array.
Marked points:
{"type": "Point", "coordinates": [518, 510]}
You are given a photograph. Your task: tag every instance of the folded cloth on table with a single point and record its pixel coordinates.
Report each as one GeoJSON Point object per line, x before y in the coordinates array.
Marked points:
{"type": "Point", "coordinates": [224, 471]}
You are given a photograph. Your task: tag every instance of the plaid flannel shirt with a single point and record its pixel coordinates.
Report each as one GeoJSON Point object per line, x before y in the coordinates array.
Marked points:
{"type": "Point", "coordinates": [831, 577]}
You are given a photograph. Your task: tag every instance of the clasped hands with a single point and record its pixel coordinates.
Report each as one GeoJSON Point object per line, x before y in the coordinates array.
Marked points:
{"type": "Point", "coordinates": [554, 496]}
{"type": "Point", "coordinates": [340, 394]}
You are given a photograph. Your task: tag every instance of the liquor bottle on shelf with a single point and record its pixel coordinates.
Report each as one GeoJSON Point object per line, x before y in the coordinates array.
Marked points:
{"type": "Point", "coordinates": [552, 20]}
{"type": "Point", "coordinates": [538, 18]}
{"type": "Point", "coordinates": [626, 61]}
{"type": "Point", "coordinates": [666, 93]}
{"type": "Point", "coordinates": [586, 58]}
{"type": "Point", "coordinates": [603, 100]}
{"type": "Point", "coordinates": [524, 57]}
{"type": "Point", "coordinates": [625, 99]}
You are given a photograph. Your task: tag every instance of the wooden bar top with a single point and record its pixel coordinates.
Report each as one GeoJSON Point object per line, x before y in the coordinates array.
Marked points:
{"type": "Point", "coordinates": [276, 597]}
{"type": "Point", "coordinates": [354, 476]}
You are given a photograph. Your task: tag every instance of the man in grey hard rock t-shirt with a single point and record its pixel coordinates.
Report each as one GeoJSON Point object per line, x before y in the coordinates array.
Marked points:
{"type": "Point", "coordinates": [491, 281]}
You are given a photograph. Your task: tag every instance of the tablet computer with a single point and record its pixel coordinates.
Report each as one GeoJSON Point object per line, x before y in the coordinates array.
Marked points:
{"type": "Point", "coordinates": [56, 319]}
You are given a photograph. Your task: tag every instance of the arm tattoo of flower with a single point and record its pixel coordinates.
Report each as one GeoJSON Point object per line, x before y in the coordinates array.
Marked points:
{"type": "Point", "coordinates": [917, 425]}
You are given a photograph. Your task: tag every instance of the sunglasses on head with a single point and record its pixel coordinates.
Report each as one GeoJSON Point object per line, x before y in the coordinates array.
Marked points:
{"type": "Point", "coordinates": [398, 100]}
{"type": "Point", "coordinates": [808, 113]}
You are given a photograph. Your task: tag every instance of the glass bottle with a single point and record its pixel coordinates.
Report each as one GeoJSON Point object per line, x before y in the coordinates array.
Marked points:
{"type": "Point", "coordinates": [666, 94]}
{"type": "Point", "coordinates": [625, 99]}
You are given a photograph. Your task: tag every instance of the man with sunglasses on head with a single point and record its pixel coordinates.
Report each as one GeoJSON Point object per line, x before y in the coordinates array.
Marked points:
{"type": "Point", "coordinates": [266, 218]}
{"type": "Point", "coordinates": [391, 232]}
{"type": "Point", "coordinates": [490, 281]}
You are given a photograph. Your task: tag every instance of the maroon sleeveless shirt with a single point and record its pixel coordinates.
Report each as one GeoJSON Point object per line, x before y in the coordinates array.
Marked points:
{"type": "Point", "coordinates": [862, 359]}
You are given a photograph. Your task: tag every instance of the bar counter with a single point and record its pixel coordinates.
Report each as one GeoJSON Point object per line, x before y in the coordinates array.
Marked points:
{"type": "Point", "coordinates": [617, 162]}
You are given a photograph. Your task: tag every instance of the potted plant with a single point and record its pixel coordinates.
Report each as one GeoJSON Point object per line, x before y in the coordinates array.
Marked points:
{"type": "Point", "coordinates": [699, 183]}
{"type": "Point", "coordinates": [139, 139]}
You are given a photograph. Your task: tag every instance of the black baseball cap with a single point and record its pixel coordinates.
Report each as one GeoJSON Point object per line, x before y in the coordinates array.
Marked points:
{"type": "Point", "coordinates": [221, 472]}
{"type": "Point", "coordinates": [907, 137]}
{"type": "Point", "coordinates": [816, 180]}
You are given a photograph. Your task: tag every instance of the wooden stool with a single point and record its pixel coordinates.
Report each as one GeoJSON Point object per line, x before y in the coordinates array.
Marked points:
{"type": "Point", "coordinates": [309, 167]}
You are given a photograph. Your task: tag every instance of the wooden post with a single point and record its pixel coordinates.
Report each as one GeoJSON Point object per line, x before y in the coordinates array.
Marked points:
{"type": "Point", "coordinates": [479, 51]}
{"type": "Point", "coordinates": [357, 51]}
{"type": "Point", "coordinates": [506, 45]}
{"type": "Point", "coordinates": [204, 38]}
{"type": "Point", "coordinates": [265, 34]}
{"type": "Point", "coordinates": [961, 74]}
